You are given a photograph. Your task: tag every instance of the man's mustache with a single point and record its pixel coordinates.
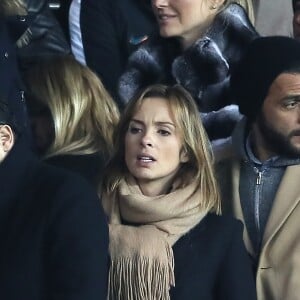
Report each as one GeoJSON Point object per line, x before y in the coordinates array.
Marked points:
{"type": "Point", "coordinates": [295, 132]}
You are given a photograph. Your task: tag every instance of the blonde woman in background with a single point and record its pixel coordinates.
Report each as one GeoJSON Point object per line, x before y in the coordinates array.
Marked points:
{"type": "Point", "coordinates": [167, 240]}
{"type": "Point", "coordinates": [73, 116]}
{"type": "Point", "coordinates": [198, 44]}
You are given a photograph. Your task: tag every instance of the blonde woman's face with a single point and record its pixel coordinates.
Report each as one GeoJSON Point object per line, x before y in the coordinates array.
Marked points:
{"type": "Point", "coordinates": [186, 19]}
{"type": "Point", "coordinates": [153, 146]}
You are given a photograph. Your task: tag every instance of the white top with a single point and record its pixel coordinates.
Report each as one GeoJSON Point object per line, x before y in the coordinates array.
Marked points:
{"type": "Point", "coordinates": [75, 31]}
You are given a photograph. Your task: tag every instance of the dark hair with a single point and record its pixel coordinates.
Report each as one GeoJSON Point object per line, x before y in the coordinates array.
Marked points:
{"type": "Point", "coordinates": [5, 114]}
{"type": "Point", "coordinates": [294, 2]}
{"type": "Point", "coordinates": [264, 60]}
{"type": "Point", "coordinates": [7, 118]}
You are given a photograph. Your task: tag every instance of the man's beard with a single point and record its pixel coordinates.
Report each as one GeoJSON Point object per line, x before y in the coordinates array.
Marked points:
{"type": "Point", "coordinates": [277, 142]}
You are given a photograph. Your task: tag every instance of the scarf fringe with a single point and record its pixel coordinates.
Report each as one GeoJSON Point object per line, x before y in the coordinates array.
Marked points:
{"type": "Point", "coordinates": [141, 278]}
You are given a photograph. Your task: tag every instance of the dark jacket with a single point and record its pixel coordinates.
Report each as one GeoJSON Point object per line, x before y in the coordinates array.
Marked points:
{"type": "Point", "coordinates": [111, 30]}
{"type": "Point", "coordinates": [203, 69]}
{"type": "Point", "coordinates": [54, 237]}
{"type": "Point", "coordinates": [89, 166]}
{"type": "Point", "coordinates": [37, 33]}
{"type": "Point", "coordinates": [10, 78]}
{"type": "Point", "coordinates": [211, 262]}
{"type": "Point", "coordinates": [60, 9]}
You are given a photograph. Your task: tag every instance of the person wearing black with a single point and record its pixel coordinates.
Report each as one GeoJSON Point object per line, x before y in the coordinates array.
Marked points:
{"type": "Point", "coordinates": [72, 124]}
{"type": "Point", "coordinates": [53, 233]}
{"type": "Point", "coordinates": [34, 30]}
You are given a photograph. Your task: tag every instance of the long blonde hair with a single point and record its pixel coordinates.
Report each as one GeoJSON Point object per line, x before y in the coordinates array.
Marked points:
{"type": "Point", "coordinates": [83, 113]}
{"type": "Point", "coordinates": [195, 143]}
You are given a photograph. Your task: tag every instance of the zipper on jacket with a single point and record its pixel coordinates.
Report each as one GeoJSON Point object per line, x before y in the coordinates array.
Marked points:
{"type": "Point", "coordinates": [258, 178]}
{"type": "Point", "coordinates": [257, 199]}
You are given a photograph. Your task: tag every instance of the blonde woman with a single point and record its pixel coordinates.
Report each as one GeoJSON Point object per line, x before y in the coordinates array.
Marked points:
{"type": "Point", "coordinates": [73, 116]}
{"type": "Point", "coordinates": [198, 44]}
{"type": "Point", "coordinates": [167, 240]}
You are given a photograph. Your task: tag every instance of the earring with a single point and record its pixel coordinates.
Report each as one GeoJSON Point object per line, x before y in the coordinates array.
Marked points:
{"type": "Point", "coordinates": [214, 4]}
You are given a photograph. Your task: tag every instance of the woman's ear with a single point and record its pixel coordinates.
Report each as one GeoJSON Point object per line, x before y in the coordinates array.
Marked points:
{"type": "Point", "coordinates": [184, 156]}
{"type": "Point", "coordinates": [7, 138]}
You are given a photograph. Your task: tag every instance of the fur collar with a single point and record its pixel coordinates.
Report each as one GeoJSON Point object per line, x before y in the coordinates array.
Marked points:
{"type": "Point", "coordinates": [203, 69]}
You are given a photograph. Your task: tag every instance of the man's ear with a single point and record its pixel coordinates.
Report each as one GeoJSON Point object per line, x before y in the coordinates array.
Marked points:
{"type": "Point", "coordinates": [7, 138]}
{"type": "Point", "coordinates": [184, 156]}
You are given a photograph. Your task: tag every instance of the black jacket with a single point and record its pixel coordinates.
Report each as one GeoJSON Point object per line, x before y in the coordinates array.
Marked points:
{"type": "Point", "coordinates": [54, 236]}
{"type": "Point", "coordinates": [12, 88]}
{"type": "Point", "coordinates": [8, 60]}
{"type": "Point", "coordinates": [36, 34]}
{"type": "Point", "coordinates": [111, 30]}
{"type": "Point", "coordinates": [203, 69]}
{"type": "Point", "coordinates": [89, 166]}
{"type": "Point", "coordinates": [211, 262]}
{"type": "Point", "coordinates": [62, 14]}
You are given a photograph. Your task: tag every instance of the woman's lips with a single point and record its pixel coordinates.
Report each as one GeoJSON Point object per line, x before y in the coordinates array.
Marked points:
{"type": "Point", "coordinates": [165, 17]}
{"type": "Point", "coordinates": [145, 158]}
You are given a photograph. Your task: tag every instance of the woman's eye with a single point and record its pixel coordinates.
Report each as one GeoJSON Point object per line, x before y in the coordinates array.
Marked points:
{"type": "Point", "coordinates": [134, 129]}
{"type": "Point", "coordinates": [164, 132]}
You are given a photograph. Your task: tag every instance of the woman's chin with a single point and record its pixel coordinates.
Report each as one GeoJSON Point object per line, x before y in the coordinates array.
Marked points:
{"type": "Point", "coordinates": [167, 33]}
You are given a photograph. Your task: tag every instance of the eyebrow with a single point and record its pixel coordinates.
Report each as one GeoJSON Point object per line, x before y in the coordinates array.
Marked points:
{"type": "Point", "coordinates": [159, 123]}
{"type": "Point", "coordinates": [295, 97]}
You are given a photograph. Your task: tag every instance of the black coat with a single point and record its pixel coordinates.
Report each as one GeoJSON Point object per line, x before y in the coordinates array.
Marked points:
{"type": "Point", "coordinates": [12, 88]}
{"type": "Point", "coordinates": [111, 30]}
{"type": "Point", "coordinates": [89, 166]}
{"type": "Point", "coordinates": [37, 34]}
{"type": "Point", "coordinates": [62, 14]}
{"type": "Point", "coordinates": [211, 262]}
{"type": "Point", "coordinates": [53, 233]}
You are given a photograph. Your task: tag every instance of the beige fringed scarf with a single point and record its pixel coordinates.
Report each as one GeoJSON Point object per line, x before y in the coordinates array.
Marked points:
{"type": "Point", "coordinates": [142, 263]}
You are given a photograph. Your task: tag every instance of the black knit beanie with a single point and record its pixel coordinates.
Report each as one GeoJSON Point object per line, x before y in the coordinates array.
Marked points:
{"type": "Point", "coordinates": [294, 4]}
{"type": "Point", "coordinates": [263, 61]}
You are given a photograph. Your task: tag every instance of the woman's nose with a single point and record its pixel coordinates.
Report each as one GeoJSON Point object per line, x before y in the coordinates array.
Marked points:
{"type": "Point", "coordinates": [159, 3]}
{"type": "Point", "coordinates": [147, 140]}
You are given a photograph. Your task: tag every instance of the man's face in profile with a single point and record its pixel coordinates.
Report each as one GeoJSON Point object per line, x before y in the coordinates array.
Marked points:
{"type": "Point", "coordinates": [296, 21]}
{"type": "Point", "coordinates": [279, 122]}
